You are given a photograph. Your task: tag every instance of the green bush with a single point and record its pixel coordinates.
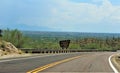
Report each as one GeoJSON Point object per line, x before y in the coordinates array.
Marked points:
{"type": "Point", "coordinates": [15, 37]}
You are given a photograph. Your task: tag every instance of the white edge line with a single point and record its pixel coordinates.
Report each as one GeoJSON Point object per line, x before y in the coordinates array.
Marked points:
{"type": "Point", "coordinates": [27, 58]}
{"type": "Point", "coordinates": [112, 66]}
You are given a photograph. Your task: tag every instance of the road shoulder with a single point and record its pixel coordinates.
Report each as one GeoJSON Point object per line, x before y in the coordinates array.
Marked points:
{"type": "Point", "coordinates": [116, 61]}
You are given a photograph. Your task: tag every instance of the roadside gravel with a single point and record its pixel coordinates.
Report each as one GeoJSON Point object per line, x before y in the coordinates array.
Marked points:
{"type": "Point", "coordinates": [116, 61]}
{"type": "Point", "coordinates": [14, 56]}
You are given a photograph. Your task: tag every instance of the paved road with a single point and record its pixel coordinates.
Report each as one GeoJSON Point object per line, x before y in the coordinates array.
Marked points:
{"type": "Point", "coordinates": [88, 62]}
{"type": "Point", "coordinates": [95, 62]}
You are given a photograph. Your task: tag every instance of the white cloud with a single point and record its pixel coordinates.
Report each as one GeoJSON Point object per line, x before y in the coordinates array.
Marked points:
{"type": "Point", "coordinates": [115, 17]}
{"type": "Point", "coordinates": [67, 15]}
{"type": "Point", "coordinates": [70, 14]}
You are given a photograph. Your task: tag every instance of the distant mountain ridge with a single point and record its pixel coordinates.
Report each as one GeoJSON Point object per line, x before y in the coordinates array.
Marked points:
{"type": "Point", "coordinates": [38, 34]}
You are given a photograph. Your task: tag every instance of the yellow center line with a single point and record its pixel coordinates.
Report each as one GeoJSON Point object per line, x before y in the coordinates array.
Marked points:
{"type": "Point", "coordinates": [51, 65]}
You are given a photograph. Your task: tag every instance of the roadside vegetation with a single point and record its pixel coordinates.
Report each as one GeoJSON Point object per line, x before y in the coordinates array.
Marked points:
{"type": "Point", "coordinates": [15, 37]}
{"type": "Point", "coordinates": [21, 40]}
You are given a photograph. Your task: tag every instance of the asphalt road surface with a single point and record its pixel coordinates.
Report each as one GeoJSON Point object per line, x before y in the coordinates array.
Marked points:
{"type": "Point", "coordinates": [87, 62]}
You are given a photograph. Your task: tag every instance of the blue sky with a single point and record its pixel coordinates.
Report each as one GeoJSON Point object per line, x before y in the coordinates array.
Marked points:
{"type": "Point", "coordinates": [61, 15]}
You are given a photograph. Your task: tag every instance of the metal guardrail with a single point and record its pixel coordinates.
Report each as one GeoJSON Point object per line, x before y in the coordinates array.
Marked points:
{"type": "Point", "coordinates": [62, 51]}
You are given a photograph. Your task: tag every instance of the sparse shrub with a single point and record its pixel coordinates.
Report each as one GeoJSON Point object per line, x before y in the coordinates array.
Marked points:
{"type": "Point", "coordinates": [2, 46]}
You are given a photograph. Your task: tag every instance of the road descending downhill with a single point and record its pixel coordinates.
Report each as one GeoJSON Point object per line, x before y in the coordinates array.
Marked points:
{"type": "Point", "coordinates": [71, 62]}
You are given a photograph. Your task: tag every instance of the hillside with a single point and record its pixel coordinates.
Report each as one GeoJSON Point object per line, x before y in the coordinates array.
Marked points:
{"type": "Point", "coordinates": [79, 40]}
{"type": "Point", "coordinates": [50, 40]}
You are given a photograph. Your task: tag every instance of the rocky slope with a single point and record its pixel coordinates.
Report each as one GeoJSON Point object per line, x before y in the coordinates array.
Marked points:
{"type": "Point", "coordinates": [8, 48]}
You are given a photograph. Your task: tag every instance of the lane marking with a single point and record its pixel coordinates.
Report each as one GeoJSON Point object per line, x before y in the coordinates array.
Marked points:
{"type": "Point", "coordinates": [51, 65]}
{"type": "Point", "coordinates": [32, 57]}
{"type": "Point", "coordinates": [21, 59]}
{"type": "Point", "coordinates": [112, 66]}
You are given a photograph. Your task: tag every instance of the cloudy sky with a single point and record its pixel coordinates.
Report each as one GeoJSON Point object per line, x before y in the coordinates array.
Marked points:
{"type": "Point", "coordinates": [61, 15]}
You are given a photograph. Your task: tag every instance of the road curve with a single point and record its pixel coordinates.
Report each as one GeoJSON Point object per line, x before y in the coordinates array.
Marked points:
{"type": "Point", "coordinates": [88, 62]}
{"type": "Point", "coordinates": [95, 62]}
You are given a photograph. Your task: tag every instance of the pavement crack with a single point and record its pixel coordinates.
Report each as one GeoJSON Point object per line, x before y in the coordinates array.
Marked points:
{"type": "Point", "coordinates": [90, 66]}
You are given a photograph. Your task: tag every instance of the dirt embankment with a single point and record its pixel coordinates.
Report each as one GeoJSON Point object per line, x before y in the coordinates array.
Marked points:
{"type": "Point", "coordinates": [7, 48]}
